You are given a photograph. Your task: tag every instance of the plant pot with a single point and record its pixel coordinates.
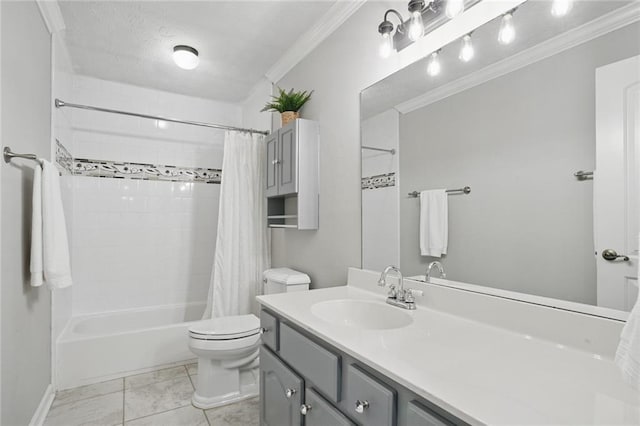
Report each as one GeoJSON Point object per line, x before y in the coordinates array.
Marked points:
{"type": "Point", "coordinates": [288, 116]}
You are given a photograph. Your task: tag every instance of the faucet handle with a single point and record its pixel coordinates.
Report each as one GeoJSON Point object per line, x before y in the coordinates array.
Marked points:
{"type": "Point", "coordinates": [393, 292]}
{"type": "Point", "coordinates": [408, 296]}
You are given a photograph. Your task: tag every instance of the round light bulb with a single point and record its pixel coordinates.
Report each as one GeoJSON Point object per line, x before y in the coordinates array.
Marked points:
{"type": "Point", "coordinates": [507, 31]}
{"type": "Point", "coordinates": [434, 68]}
{"type": "Point", "coordinates": [467, 51]}
{"type": "Point", "coordinates": [186, 57]}
{"type": "Point", "coordinates": [561, 7]}
{"type": "Point", "coordinates": [386, 45]}
{"type": "Point", "coordinates": [416, 26]}
{"type": "Point", "coordinates": [454, 8]}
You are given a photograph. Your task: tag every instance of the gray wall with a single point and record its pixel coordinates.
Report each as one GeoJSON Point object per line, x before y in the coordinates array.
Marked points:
{"type": "Point", "coordinates": [338, 69]}
{"type": "Point", "coordinates": [528, 224]}
{"type": "Point", "coordinates": [25, 311]}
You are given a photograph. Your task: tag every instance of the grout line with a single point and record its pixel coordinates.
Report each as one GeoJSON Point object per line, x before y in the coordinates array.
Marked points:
{"type": "Point", "coordinates": [190, 379]}
{"type": "Point", "coordinates": [124, 389]}
{"type": "Point", "coordinates": [161, 412]}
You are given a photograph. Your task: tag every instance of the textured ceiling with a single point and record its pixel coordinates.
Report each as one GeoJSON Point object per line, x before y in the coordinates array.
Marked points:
{"type": "Point", "coordinates": [132, 41]}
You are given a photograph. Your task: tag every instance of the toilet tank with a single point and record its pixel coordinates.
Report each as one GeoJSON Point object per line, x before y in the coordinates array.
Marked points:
{"type": "Point", "coordinates": [282, 280]}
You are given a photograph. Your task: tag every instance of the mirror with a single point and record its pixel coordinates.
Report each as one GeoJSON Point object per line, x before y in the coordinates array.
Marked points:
{"type": "Point", "coordinates": [515, 124]}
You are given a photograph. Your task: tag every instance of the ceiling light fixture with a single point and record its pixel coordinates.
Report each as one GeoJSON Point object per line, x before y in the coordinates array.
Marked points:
{"type": "Point", "coordinates": [467, 52]}
{"type": "Point", "coordinates": [434, 67]}
{"type": "Point", "coordinates": [186, 57]}
{"type": "Point", "coordinates": [454, 8]}
{"type": "Point", "coordinates": [560, 8]}
{"type": "Point", "coordinates": [507, 31]}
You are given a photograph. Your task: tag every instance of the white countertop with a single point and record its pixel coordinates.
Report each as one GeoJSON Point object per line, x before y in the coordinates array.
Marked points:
{"type": "Point", "coordinates": [480, 373]}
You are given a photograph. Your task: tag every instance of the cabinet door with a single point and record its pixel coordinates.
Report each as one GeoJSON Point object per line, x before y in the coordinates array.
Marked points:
{"type": "Point", "coordinates": [367, 400]}
{"type": "Point", "coordinates": [321, 413]}
{"type": "Point", "coordinates": [272, 164]}
{"type": "Point", "coordinates": [281, 392]}
{"type": "Point", "coordinates": [288, 160]}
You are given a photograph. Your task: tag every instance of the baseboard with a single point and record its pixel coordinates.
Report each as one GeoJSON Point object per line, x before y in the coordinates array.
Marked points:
{"type": "Point", "coordinates": [43, 409]}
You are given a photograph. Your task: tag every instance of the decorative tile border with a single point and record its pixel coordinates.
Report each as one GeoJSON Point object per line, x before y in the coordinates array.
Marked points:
{"type": "Point", "coordinates": [64, 157]}
{"type": "Point", "coordinates": [379, 181]}
{"type": "Point", "coordinates": [127, 170]}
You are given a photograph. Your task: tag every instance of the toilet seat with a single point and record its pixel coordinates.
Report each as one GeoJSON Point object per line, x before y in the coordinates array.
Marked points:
{"type": "Point", "coordinates": [226, 328]}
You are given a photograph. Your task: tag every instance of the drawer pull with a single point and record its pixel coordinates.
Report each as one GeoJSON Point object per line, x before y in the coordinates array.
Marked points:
{"type": "Point", "coordinates": [290, 392]}
{"type": "Point", "coordinates": [304, 409]}
{"type": "Point", "coordinates": [361, 406]}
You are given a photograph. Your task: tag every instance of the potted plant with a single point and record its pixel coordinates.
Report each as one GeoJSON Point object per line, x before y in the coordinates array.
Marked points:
{"type": "Point", "coordinates": [288, 104]}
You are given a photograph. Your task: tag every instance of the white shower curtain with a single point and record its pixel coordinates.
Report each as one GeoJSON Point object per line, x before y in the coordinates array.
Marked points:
{"type": "Point", "coordinates": [242, 249]}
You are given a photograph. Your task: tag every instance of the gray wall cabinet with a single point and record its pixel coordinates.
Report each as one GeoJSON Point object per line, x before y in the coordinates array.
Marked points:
{"type": "Point", "coordinates": [292, 178]}
{"type": "Point", "coordinates": [307, 382]}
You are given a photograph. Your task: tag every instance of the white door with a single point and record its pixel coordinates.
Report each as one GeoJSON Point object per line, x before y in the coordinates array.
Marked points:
{"type": "Point", "coordinates": [616, 182]}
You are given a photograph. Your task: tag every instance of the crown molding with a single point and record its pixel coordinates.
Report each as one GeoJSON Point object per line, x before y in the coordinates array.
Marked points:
{"type": "Point", "coordinates": [52, 15]}
{"type": "Point", "coordinates": [605, 24]}
{"type": "Point", "coordinates": [328, 23]}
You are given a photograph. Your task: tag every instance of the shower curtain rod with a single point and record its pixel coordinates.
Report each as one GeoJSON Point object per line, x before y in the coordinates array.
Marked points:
{"type": "Point", "coordinates": [61, 104]}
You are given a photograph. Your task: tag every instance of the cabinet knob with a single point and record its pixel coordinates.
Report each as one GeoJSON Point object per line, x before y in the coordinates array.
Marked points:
{"type": "Point", "coordinates": [290, 392]}
{"type": "Point", "coordinates": [275, 162]}
{"type": "Point", "coordinates": [304, 409]}
{"type": "Point", "coordinates": [264, 330]}
{"type": "Point", "coordinates": [361, 406]}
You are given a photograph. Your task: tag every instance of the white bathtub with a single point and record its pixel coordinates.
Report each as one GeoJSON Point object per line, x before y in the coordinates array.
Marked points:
{"type": "Point", "coordinates": [94, 348]}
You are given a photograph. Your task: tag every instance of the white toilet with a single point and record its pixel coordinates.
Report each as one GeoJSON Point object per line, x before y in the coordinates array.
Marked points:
{"type": "Point", "coordinates": [227, 347]}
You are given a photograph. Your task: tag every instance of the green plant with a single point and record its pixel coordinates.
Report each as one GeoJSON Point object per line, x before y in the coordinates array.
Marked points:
{"type": "Point", "coordinates": [287, 101]}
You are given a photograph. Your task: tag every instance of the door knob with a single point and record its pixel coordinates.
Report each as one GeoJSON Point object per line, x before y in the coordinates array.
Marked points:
{"type": "Point", "coordinates": [361, 406]}
{"type": "Point", "coordinates": [289, 392]}
{"type": "Point", "coordinates": [304, 409]}
{"type": "Point", "coordinates": [610, 254]}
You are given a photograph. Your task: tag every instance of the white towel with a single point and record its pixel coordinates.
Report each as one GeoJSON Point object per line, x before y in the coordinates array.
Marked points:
{"type": "Point", "coordinates": [628, 353]}
{"type": "Point", "coordinates": [49, 245]}
{"type": "Point", "coordinates": [434, 223]}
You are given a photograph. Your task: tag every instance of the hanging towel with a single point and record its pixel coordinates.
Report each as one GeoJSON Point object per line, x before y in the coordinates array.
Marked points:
{"type": "Point", "coordinates": [434, 223]}
{"type": "Point", "coordinates": [49, 245]}
{"type": "Point", "coordinates": [628, 353]}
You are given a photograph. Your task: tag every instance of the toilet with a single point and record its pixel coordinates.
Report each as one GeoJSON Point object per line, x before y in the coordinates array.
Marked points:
{"type": "Point", "coordinates": [227, 347]}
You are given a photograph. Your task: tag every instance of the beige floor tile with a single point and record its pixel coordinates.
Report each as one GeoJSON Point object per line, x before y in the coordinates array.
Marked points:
{"type": "Point", "coordinates": [192, 368]}
{"type": "Point", "coordinates": [154, 377]}
{"type": "Point", "coordinates": [88, 391]}
{"type": "Point", "coordinates": [157, 397]}
{"type": "Point", "coordinates": [104, 410]}
{"type": "Point", "coordinates": [185, 416]}
{"type": "Point", "coordinates": [245, 413]}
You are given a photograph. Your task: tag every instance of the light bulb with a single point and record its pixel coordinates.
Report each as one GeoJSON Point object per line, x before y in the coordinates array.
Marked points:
{"type": "Point", "coordinates": [434, 68]}
{"type": "Point", "coordinates": [186, 57]}
{"type": "Point", "coordinates": [561, 7]}
{"type": "Point", "coordinates": [416, 26]}
{"type": "Point", "coordinates": [386, 46]}
{"type": "Point", "coordinates": [466, 51]}
{"type": "Point", "coordinates": [507, 32]}
{"type": "Point", "coordinates": [454, 8]}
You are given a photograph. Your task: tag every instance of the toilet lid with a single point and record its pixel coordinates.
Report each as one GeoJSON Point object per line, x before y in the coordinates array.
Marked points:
{"type": "Point", "coordinates": [224, 328]}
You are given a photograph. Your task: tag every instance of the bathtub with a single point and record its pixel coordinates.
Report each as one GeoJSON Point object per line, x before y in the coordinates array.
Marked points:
{"type": "Point", "coordinates": [95, 348]}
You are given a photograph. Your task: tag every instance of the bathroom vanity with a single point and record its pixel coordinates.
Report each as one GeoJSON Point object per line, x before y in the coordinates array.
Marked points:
{"type": "Point", "coordinates": [343, 356]}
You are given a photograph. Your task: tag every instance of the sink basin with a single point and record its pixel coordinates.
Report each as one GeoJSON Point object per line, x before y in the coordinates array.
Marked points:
{"type": "Point", "coordinates": [363, 314]}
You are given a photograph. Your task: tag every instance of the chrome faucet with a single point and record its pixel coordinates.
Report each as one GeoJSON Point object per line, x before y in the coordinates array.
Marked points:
{"type": "Point", "coordinates": [440, 268]}
{"type": "Point", "coordinates": [398, 296]}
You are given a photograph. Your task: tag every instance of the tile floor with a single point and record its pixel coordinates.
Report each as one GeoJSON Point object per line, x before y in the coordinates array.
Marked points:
{"type": "Point", "coordinates": [158, 398]}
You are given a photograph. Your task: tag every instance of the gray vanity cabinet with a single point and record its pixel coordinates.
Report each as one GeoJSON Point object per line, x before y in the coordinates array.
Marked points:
{"type": "Point", "coordinates": [305, 381]}
{"type": "Point", "coordinates": [281, 391]}
{"type": "Point", "coordinates": [271, 143]}
{"type": "Point", "coordinates": [319, 412]}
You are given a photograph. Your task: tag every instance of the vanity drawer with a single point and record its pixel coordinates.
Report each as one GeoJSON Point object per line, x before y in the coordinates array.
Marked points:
{"type": "Point", "coordinates": [368, 400]}
{"type": "Point", "coordinates": [269, 323]}
{"type": "Point", "coordinates": [419, 415]}
{"type": "Point", "coordinates": [321, 413]}
{"type": "Point", "coordinates": [314, 362]}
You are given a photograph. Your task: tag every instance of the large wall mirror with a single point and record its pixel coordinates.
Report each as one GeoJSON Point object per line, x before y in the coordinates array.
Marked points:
{"type": "Point", "coordinates": [516, 124]}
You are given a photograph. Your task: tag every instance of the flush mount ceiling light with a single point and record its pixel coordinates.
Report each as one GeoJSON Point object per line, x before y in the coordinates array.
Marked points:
{"type": "Point", "coordinates": [186, 57]}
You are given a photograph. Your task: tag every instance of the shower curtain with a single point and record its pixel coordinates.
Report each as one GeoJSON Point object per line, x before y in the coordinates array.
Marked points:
{"type": "Point", "coordinates": [242, 249]}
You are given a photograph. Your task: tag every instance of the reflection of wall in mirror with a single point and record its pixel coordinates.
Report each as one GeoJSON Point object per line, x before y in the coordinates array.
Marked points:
{"type": "Point", "coordinates": [380, 213]}
{"type": "Point", "coordinates": [517, 140]}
